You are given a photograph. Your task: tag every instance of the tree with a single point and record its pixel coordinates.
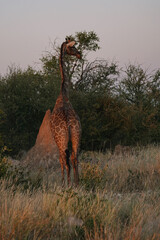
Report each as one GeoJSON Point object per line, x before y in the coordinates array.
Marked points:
{"type": "Point", "coordinates": [87, 42]}
{"type": "Point", "coordinates": [133, 87]}
{"type": "Point", "coordinates": [154, 89]}
{"type": "Point", "coordinates": [24, 98]}
{"type": "Point", "coordinates": [98, 77]}
{"type": "Point", "coordinates": [135, 91]}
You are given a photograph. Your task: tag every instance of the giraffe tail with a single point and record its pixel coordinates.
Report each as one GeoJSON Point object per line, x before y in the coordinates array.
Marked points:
{"type": "Point", "coordinates": [67, 158]}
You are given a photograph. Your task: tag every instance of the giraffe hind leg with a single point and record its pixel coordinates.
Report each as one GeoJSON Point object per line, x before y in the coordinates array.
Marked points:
{"type": "Point", "coordinates": [64, 160]}
{"type": "Point", "coordinates": [62, 171]}
{"type": "Point", "coordinates": [67, 157]}
{"type": "Point", "coordinates": [75, 138]}
{"type": "Point", "coordinates": [67, 164]}
{"type": "Point", "coordinates": [74, 160]}
{"type": "Point", "coordinates": [61, 137]}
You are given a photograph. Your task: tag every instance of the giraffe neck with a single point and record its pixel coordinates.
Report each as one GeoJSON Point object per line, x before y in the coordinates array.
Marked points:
{"type": "Point", "coordinates": [64, 77]}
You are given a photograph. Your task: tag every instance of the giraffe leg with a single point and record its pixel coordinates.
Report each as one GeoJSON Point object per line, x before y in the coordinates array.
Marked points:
{"type": "Point", "coordinates": [62, 171]}
{"type": "Point", "coordinates": [68, 173]}
{"type": "Point", "coordinates": [67, 165]}
{"type": "Point", "coordinates": [65, 162]}
{"type": "Point", "coordinates": [61, 137]}
{"type": "Point", "coordinates": [75, 139]}
{"type": "Point", "coordinates": [74, 161]}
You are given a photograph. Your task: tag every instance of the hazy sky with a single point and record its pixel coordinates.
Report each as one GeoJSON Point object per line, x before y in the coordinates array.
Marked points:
{"type": "Point", "coordinates": [129, 30]}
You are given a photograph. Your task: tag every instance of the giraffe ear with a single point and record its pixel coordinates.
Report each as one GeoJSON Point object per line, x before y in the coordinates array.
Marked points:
{"type": "Point", "coordinates": [71, 44]}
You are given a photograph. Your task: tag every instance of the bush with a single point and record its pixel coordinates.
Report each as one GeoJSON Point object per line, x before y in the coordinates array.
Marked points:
{"type": "Point", "coordinates": [92, 176]}
{"type": "Point", "coordinates": [4, 163]}
{"type": "Point", "coordinates": [24, 179]}
{"type": "Point", "coordinates": [18, 176]}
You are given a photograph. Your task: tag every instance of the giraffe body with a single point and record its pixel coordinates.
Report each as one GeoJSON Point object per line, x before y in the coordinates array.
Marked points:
{"type": "Point", "coordinates": [65, 124]}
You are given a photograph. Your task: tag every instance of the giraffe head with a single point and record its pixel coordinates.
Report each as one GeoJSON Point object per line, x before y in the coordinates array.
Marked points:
{"type": "Point", "coordinates": [69, 48]}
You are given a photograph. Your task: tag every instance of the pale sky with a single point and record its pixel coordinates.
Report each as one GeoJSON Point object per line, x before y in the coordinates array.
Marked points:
{"type": "Point", "coordinates": [129, 30]}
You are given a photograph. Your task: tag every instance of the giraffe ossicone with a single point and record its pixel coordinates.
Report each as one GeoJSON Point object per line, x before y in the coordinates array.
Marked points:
{"type": "Point", "coordinates": [71, 44]}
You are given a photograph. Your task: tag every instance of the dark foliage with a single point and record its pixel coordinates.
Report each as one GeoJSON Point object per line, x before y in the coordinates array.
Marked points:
{"type": "Point", "coordinates": [114, 106]}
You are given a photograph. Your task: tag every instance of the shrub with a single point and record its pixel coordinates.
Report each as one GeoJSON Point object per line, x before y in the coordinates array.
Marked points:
{"type": "Point", "coordinates": [4, 164]}
{"type": "Point", "coordinates": [24, 179]}
{"type": "Point", "coordinates": [92, 176]}
{"type": "Point", "coordinates": [18, 176]}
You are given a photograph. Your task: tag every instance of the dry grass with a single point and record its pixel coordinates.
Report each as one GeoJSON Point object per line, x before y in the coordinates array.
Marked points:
{"type": "Point", "coordinates": [118, 198]}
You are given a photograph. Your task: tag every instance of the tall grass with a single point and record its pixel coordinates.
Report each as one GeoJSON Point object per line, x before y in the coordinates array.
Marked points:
{"type": "Point", "coordinates": [118, 198]}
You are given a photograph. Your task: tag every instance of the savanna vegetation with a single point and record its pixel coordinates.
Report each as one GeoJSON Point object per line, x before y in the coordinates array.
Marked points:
{"type": "Point", "coordinates": [117, 198]}
{"type": "Point", "coordinates": [115, 105]}
{"type": "Point", "coordinates": [119, 192]}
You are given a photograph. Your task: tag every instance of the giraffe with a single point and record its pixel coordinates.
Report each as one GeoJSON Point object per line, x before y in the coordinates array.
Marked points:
{"type": "Point", "coordinates": [65, 123]}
